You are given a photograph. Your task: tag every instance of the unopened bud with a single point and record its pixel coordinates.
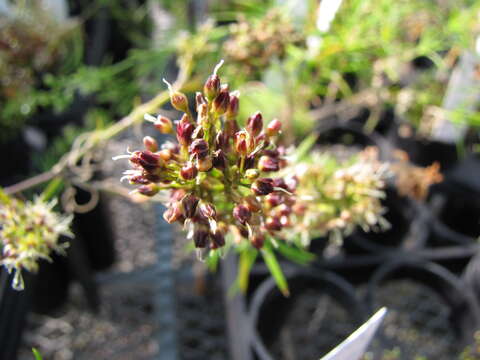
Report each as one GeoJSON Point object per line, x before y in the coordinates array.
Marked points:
{"type": "Point", "coordinates": [150, 143]}
{"type": "Point", "coordinates": [207, 210]}
{"type": "Point", "coordinates": [200, 238]}
{"type": "Point", "coordinates": [179, 100]}
{"type": "Point", "coordinates": [173, 213]}
{"type": "Point", "coordinates": [165, 154]}
{"type": "Point", "coordinates": [146, 159]}
{"type": "Point", "coordinates": [242, 214]}
{"type": "Point", "coordinates": [205, 163]}
{"type": "Point", "coordinates": [267, 163]}
{"type": "Point", "coordinates": [221, 101]}
{"type": "Point", "coordinates": [217, 240]}
{"type": "Point", "coordinates": [252, 174]}
{"type": "Point", "coordinates": [184, 132]}
{"type": "Point", "coordinates": [257, 240]}
{"type": "Point", "coordinates": [212, 87]}
{"type": "Point", "coordinates": [189, 171]}
{"type": "Point", "coordinates": [262, 187]}
{"type": "Point", "coordinates": [274, 127]}
{"type": "Point", "coordinates": [148, 190]}
{"type": "Point", "coordinates": [198, 147]}
{"type": "Point", "coordinates": [163, 124]}
{"type": "Point", "coordinates": [243, 143]}
{"type": "Point", "coordinates": [189, 204]}
{"type": "Point", "coordinates": [219, 160]}
{"type": "Point", "coordinates": [233, 105]}
{"type": "Point", "coordinates": [255, 124]}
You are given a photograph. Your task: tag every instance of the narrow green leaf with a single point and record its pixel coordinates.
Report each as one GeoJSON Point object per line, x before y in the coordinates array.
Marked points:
{"type": "Point", "coordinates": [52, 189]}
{"type": "Point", "coordinates": [295, 254]}
{"type": "Point", "coordinates": [275, 269]}
{"type": "Point", "coordinates": [247, 259]}
{"type": "Point", "coordinates": [36, 354]}
{"type": "Point", "coordinates": [213, 259]}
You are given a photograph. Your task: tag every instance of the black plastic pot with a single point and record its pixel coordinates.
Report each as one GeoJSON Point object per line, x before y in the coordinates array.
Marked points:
{"type": "Point", "coordinates": [421, 151]}
{"type": "Point", "coordinates": [464, 311]}
{"type": "Point", "coordinates": [269, 309]}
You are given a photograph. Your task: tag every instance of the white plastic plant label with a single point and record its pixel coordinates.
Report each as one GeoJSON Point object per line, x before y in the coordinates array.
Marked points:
{"type": "Point", "coordinates": [354, 347]}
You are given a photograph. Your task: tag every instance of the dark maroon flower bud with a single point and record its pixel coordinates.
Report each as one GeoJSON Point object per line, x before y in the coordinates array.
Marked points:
{"type": "Point", "coordinates": [150, 143]}
{"type": "Point", "coordinates": [267, 163]}
{"type": "Point", "coordinates": [146, 159]}
{"type": "Point", "coordinates": [212, 86]}
{"type": "Point", "coordinates": [148, 190]}
{"type": "Point", "coordinates": [257, 240]}
{"type": "Point", "coordinates": [189, 204]}
{"type": "Point", "coordinates": [280, 183]}
{"type": "Point", "coordinates": [189, 171]}
{"type": "Point", "coordinates": [262, 186]}
{"type": "Point", "coordinates": [200, 238]}
{"type": "Point", "coordinates": [243, 143]}
{"type": "Point", "coordinates": [273, 224]}
{"type": "Point", "coordinates": [163, 124]}
{"type": "Point", "coordinates": [249, 162]}
{"type": "Point", "coordinates": [255, 124]}
{"type": "Point", "coordinates": [217, 240]}
{"type": "Point", "coordinates": [219, 160]}
{"type": "Point", "coordinates": [185, 131]}
{"type": "Point", "coordinates": [207, 210]}
{"type": "Point", "coordinates": [274, 127]}
{"type": "Point", "coordinates": [242, 214]}
{"type": "Point", "coordinates": [138, 180]}
{"type": "Point", "coordinates": [198, 147]}
{"type": "Point", "coordinates": [199, 99]}
{"type": "Point", "coordinates": [173, 213]}
{"type": "Point", "coordinates": [233, 105]}
{"type": "Point", "coordinates": [221, 101]}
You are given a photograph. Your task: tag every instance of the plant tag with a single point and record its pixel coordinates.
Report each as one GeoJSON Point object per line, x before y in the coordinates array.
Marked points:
{"type": "Point", "coordinates": [463, 94]}
{"type": "Point", "coordinates": [353, 347]}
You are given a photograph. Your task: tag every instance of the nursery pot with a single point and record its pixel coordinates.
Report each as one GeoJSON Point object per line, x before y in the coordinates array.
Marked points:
{"type": "Point", "coordinates": [436, 291]}
{"type": "Point", "coordinates": [319, 299]}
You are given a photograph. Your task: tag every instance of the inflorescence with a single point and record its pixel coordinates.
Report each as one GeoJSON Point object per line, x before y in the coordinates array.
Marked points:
{"type": "Point", "coordinates": [219, 178]}
{"type": "Point", "coordinates": [29, 231]}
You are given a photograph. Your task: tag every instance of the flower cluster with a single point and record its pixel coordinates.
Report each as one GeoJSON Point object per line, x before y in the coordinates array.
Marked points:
{"type": "Point", "coordinates": [335, 197]}
{"type": "Point", "coordinates": [219, 177]}
{"type": "Point", "coordinates": [253, 45]}
{"type": "Point", "coordinates": [29, 232]}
